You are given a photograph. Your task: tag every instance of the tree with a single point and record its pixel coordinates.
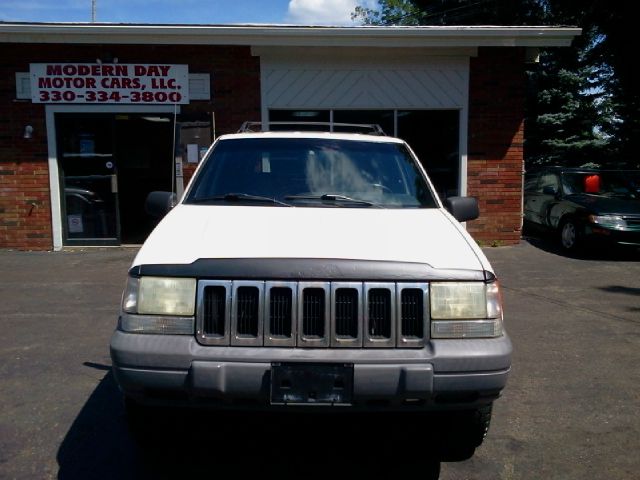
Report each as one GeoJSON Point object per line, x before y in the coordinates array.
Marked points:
{"type": "Point", "coordinates": [583, 103]}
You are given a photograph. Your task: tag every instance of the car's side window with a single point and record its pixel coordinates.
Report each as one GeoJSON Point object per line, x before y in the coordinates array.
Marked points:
{"type": "Point", "coordinates": [548, 181]}
{"type": "Point", "coordinates": [531, 182]}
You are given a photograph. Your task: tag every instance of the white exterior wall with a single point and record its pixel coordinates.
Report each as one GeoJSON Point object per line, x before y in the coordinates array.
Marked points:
{"type": "Point", "coordinates": [352, 80]}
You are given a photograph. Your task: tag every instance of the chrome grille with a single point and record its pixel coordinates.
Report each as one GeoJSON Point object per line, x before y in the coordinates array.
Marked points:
{"type": "Point", "coordinates": [214, 299]}
{"type": "Point", "coordinates": [247, 314]}
{"type": "Point", "coordinates": [379, 306]}
{"type": "Point", "coordinates": [281, 299]}
{"type": "Point", "coordinates": [312, 314]}
{"type": "Point", "coordinates": [214, 314]}
{"type": "Point", "coordinates": [346, 312]}
{"type": "Point", "coordinates": [411, 313]}
{"type": "Point", "coordinates": [280, 305]}
{"type": "Point", "coordinates": [346, 316]}
{"type": "Point", "coordinates": [380, 315]}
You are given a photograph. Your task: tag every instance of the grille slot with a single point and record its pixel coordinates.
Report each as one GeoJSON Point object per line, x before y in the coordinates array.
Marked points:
{"type": "Point", "coordinates": [379, 306]}
{"type": "Point", "coordinates": [412, 313]}
{"type": "Point", "coordinates": [247, 311]}
{"type": "Point", "coordinates": [313, 312]}
{"type": "Point", "coordinates": [380, 314]}
{"type": "Point", "coordinates": [214, 311]}
{"type": "Point", "coordinates": [346, 312]}
{"type": "Point", "coordinates": [280, 312]}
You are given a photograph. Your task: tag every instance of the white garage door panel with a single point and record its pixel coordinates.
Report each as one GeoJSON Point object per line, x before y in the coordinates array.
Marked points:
{"type": "Point", "coordinates": [437, 83]}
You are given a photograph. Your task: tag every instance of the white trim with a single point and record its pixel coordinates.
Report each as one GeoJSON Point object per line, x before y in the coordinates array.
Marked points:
{"type": "Point", "coordinates": [287, 35]}
{"type": "Point", "coordinates": [54, 178]}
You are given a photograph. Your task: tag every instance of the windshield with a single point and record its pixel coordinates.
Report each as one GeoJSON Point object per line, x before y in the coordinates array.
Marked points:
{"type": "Point", "coordinates": [311, 172]}
{"type": "Point", "coordinates": [621, 184]}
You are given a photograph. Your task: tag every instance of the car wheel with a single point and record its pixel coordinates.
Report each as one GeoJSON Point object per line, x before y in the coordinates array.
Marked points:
{"type": "Point", "coordinates": [463, 432]}
{"type": "Point", "coordinates": [570, 236]}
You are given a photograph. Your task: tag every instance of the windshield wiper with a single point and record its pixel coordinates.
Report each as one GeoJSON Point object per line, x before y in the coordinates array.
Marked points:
{"type": "Point", "coordinates": [238, 197]}
{"type": "Point", "coordinates": [330, 197]}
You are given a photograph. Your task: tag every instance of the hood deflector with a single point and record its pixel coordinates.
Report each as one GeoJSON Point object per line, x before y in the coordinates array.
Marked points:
{"type": "Point", "coordinates": [309, 269]}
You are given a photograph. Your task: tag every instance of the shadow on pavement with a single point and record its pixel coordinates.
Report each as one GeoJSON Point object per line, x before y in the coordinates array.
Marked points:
{"type": "Point", "coordinates": [199, 443]}
{"type": "Point", "coordinates": [548, 243]}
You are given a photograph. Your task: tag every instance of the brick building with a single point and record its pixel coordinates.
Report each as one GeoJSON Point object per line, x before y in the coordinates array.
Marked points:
{"type": "Point", "coordinates": [94, 116]}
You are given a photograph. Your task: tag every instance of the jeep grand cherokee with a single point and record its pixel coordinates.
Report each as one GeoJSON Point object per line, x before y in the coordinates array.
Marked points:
{"type": "Point", "coordinates": [314, 269]}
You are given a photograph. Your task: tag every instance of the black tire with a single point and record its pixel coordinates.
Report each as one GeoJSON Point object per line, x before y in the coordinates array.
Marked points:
{"type": "Point", "coordinates": [463, 432]}
{"type": "Point", "coordinates": [570, 236]}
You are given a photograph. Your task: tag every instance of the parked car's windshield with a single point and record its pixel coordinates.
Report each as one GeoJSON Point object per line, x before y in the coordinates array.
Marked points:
{"type": "Point", "coordinates": [311, 172]}
{"type": "Point", "coordinates": [623, 184]}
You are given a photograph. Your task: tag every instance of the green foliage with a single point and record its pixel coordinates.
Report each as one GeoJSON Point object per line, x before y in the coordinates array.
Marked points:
{"type": "Point", "coordinates": [392, 12]}
{"type": "Point", "coordinates": [583, 102]}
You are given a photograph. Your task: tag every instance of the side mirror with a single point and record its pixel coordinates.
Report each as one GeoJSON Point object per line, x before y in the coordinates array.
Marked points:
{"type": "Point", "coordinates": [463, 208]}
{"type": "Point", "coordinates": [549, 190]}
{"type": "Point", "coordinates": [158, 204]}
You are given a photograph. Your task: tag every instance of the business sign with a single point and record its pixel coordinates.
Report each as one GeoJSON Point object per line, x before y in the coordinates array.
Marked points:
{"type": "Point", "coordinates": [109, 83]}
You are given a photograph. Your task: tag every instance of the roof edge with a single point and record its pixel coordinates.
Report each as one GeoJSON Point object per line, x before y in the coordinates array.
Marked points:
{"type": "Point", "coordinates": [287, 35]}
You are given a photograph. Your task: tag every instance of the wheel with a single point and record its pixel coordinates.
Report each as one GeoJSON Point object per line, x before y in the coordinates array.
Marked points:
{"type": "Point", "coordinates": [570, 238]}
{"type": "Point", "coordinates": [463, 432]}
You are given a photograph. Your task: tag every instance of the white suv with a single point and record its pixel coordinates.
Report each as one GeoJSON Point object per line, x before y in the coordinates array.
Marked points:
{"type": "Point", "coordinates": [314, 269]}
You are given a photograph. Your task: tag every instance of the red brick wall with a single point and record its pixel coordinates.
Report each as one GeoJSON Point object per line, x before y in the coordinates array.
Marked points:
{"type": "Point", "coordinates": [25, 213]}
{"type": "Point", "coordinates": [25, 210]}
{"type": "Point", "coordinates": [496, 135]}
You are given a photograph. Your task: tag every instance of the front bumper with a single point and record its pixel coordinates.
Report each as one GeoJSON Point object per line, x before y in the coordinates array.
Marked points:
{"type": "Point", "coordinates": [597, 233]}
{"type": "Point", "coordinates": [176, 369]}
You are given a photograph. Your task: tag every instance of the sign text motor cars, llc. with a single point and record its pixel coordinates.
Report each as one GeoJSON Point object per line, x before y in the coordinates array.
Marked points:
{"type": "Point", "coordinates": [109, 83]}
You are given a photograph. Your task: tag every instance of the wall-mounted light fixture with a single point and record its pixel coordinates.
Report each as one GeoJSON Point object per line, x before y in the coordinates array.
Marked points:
{"type": "Point", "coordinates": [28, 132]}
{"type": "Point", "coordinates": [106, 58]}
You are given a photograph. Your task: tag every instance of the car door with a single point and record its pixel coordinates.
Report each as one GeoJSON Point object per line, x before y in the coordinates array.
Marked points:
{"type": "Point", "coordinates": [531, 197]}
{"type": "Point", "coordinates": [547, 191]}
{"type": "Point", "coordinates": [541, 194]}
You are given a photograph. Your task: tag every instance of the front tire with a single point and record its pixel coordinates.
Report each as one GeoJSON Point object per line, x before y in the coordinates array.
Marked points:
{"type": "Point", "coordinates": [463, 432]}
{"type": "Point", "coordinates": [570, 236]}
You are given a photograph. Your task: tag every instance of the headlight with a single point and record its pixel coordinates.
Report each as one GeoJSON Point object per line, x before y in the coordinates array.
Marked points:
{"type": "Point", "coordinates": [609, 221]}
{"type": "Point", "coordinates": [465, 310]}
{"type": "Point", "coordinates": [160, 296]}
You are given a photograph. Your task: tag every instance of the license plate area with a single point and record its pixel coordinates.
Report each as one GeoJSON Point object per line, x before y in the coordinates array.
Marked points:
{"type": "Point", "coordinates": [311, 384]}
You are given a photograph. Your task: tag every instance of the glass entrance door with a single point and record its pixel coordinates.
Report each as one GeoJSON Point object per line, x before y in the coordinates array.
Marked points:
{"type": "Point", "coordinates": [89, 182]}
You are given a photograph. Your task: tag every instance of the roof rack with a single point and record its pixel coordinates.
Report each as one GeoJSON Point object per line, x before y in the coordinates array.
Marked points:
{"type": "Point", "coordinates": [366, 128]}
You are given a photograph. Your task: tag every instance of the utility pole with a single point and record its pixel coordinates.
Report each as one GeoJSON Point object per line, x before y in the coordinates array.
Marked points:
{"type": "Point", "coordinates": [93, 11]}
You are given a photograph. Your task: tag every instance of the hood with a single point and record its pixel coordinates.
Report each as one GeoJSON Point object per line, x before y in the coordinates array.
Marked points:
{"type": "Point", "coordinates": [605, 205]}
{"type": "Point", "coordinates": [191, 232]}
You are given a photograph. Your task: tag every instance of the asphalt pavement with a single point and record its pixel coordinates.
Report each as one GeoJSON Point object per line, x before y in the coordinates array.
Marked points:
{"type": "Point", "coordinates": [570, 410]}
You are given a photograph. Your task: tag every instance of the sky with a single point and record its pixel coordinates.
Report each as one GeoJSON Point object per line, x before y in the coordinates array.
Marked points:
{"type": "Point", "coordinates": [299, 12]}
